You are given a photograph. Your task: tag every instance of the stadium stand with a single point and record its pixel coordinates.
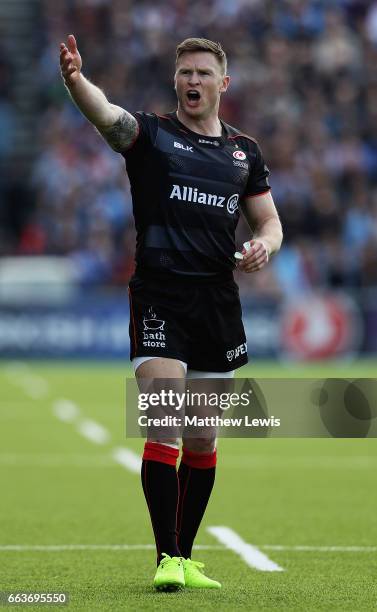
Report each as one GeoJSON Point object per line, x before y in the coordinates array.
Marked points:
{"type": "Point", "coordinates": [303, 83]}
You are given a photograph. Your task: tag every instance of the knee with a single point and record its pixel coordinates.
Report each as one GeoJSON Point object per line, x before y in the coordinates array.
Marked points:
{"type": "Point", "coordinates": [200, 445]}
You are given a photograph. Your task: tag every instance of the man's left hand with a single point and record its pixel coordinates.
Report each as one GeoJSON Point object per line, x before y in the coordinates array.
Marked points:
{"type": "Point", "coordinates": [255, 255]}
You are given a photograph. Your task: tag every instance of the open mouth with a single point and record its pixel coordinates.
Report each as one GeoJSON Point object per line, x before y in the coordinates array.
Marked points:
{"type": "Point", "coordinates": [193, 95]}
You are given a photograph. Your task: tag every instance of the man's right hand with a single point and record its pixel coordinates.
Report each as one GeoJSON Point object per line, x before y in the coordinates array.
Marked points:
{"type": "Point", "coordinates": [70, 61]}
{"type": "Point", "coordinates": [118, 127]}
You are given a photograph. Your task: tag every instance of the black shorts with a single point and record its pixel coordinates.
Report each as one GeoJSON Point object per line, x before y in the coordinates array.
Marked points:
{"type": "Point", "coordinates": [198, 323]}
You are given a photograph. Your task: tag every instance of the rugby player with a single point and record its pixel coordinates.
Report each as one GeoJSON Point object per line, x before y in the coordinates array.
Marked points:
{"type": "Point", "coordinates": [190, 174]}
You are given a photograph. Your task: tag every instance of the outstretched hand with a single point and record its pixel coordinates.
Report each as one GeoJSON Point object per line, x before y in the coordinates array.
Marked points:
{"type": "Point", "coordinates": [255, 256]}
{"type": "Point", "coordinates": [70, 61]}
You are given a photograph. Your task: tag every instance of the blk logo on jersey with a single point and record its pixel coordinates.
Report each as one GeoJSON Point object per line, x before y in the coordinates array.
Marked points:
{"type": "Point", "coordinates": [180, 145]}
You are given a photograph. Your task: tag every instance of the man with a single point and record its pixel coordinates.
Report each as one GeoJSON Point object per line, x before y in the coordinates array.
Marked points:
{"type": "Point", "coordinates": [189, 173]}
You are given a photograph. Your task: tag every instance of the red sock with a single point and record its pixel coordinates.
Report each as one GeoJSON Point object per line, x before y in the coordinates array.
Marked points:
{"type": "Point", "coordinates": [153, 451]}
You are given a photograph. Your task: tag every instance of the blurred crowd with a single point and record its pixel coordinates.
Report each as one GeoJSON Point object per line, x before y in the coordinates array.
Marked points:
{"type": "Point", "coordinates": [303, 83]}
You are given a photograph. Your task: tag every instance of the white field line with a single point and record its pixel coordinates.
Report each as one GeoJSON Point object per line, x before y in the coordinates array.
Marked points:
{"type": "Point", "coordinates": [93, 431]}
{"type": "Point", "coordinates": [68, 412]}
{"type": "Point", "coordinates": [354, 462]}
{"type": "Point", "coordinates": [299, 548]}
{"type": "Point", "coordinates": [65, 410]}
{"type": "Point", "coordinates": [74, 547]}
{"type": "Point", "coordinates": [15, 370]}
{"type": "Point", "coordinates": [252, 556]}
{"type": "Point", "coordinates": [34, 386]}
{"type": "Point", "coordinates": [19, 373]}
{"type": "Point", "coordinates": [125, 547]}
{"type": "Point", "coordinates": [128, 459]}
{"type": "Point", "coordinates": [55, 460]}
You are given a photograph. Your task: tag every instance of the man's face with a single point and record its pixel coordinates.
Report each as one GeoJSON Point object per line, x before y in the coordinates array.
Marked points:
{"type": "Point", "coordinates": [199, 82]}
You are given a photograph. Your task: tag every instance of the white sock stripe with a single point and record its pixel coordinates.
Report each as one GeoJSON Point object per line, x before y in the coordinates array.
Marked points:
{"type": "Point", "coordinates": [175, 446]}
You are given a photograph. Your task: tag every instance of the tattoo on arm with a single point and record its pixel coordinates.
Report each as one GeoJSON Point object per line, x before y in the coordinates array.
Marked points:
{"type": "Point", "coordinates": [122, 133]}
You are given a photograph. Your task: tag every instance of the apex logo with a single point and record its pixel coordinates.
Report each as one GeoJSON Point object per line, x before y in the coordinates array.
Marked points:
{"type": "Point", "coordinates": [239, 350]}
{"type": "Point", "coordinates": [180, 145]}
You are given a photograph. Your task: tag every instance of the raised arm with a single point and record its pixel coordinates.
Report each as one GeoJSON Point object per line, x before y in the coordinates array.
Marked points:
{"type": "Point", "coordinates": [116, 125]}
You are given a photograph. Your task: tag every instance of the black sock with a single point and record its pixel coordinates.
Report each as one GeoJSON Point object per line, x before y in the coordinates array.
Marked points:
{"type": "Point", "coordinates": [160, 485]}
{"type": "Point", "coordinates": [195, 485]}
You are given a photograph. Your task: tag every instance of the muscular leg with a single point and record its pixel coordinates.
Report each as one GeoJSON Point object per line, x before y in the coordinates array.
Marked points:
{"type": "Point", "coordinates": [161, 367]}
{"type": "Point", "coordinates": [196, 475]}
{"type": "Point", "coordinates": [158, 473]}
{"type": "Point", "coordinates": [197, 469]}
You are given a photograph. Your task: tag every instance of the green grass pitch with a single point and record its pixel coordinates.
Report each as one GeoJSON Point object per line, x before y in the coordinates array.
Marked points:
{"type": "Point", "coordinates": [60, 488]}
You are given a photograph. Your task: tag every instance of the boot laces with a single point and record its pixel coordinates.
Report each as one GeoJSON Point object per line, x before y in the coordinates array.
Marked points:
{"type": "Point", "coordinates": [166, 560]}
{"type": "Point", "coordinates": [198, 564]}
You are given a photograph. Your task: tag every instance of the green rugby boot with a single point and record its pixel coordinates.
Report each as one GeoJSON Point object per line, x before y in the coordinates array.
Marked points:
{"type": "Point", "coordinates": [195, 578]}
{"type": "Point", "coordinates": [169, 575]}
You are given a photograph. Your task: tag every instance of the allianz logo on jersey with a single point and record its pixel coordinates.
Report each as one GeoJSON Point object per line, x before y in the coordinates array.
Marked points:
{"type": "Point", "coordinates": [192, 194]}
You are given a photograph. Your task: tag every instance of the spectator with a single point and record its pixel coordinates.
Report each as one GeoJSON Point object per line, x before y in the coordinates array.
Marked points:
{"type": "Point", "coordinates": [303, 80]}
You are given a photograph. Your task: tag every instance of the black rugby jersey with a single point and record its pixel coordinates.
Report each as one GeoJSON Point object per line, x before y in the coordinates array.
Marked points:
{"type": "Point", "coordinates": [186, 191]}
